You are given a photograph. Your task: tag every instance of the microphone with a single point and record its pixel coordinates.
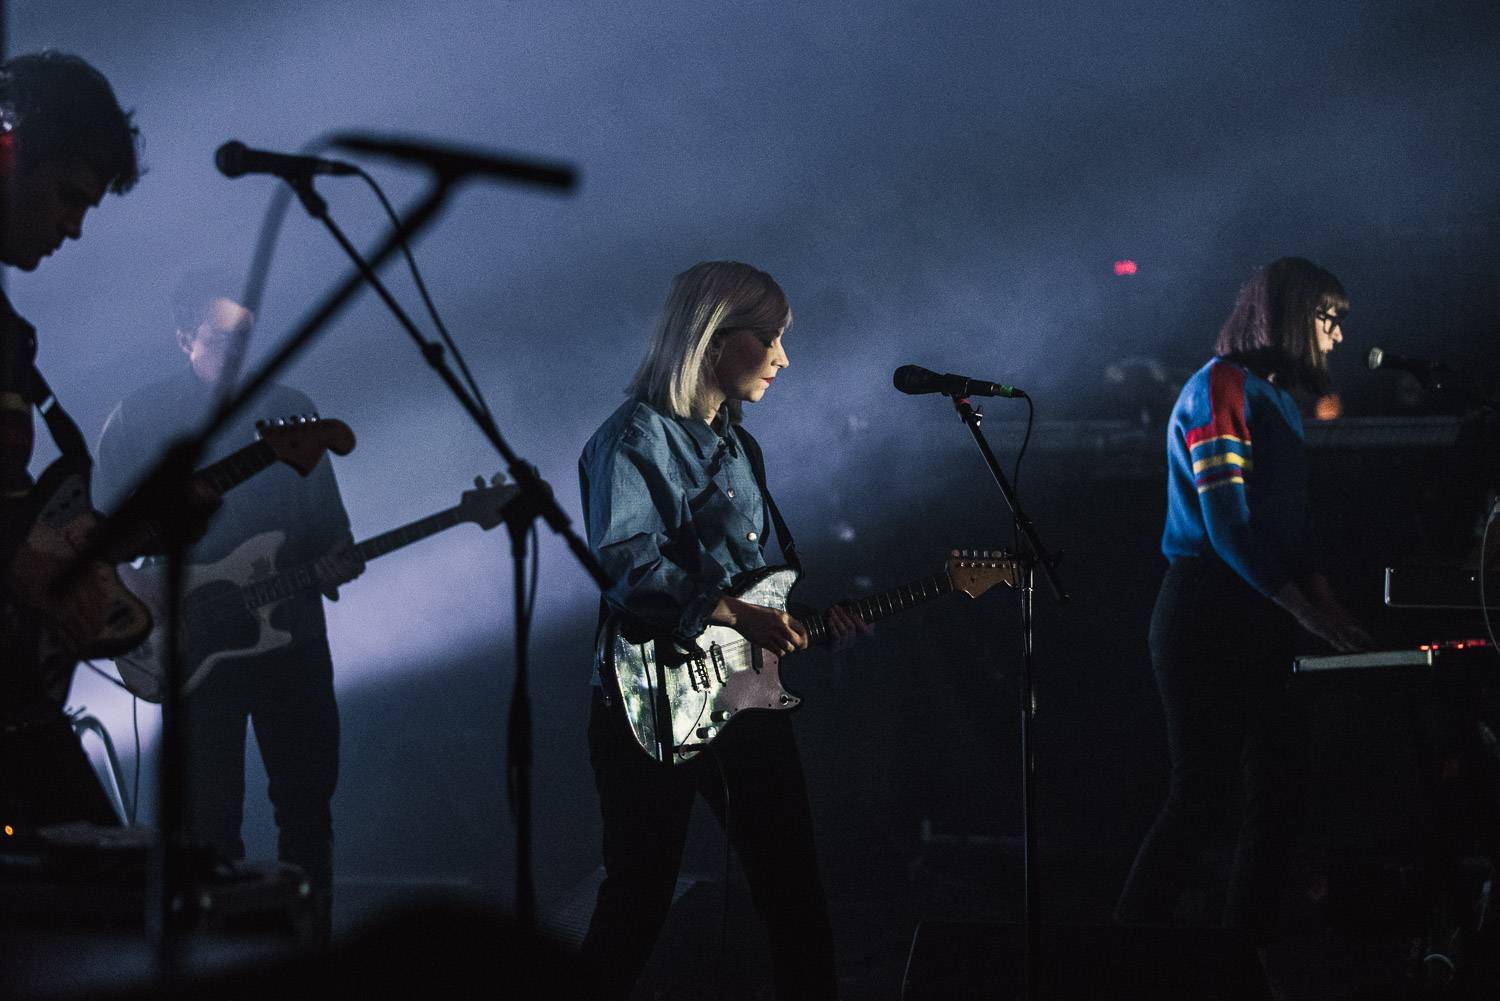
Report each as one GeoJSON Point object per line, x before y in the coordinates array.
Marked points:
{"type": "Point", "coordinates": [1427, 371]}
{"type": "Point", "coordinates": [235, 159]}
{"type": "Point", "coordinates": [916, 380]}
{"type": "Point", "coordinates": [453, 162]}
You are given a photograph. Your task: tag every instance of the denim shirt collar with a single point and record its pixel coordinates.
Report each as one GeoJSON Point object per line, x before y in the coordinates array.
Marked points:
{"type": "Point", "coordinates": [709, 438]}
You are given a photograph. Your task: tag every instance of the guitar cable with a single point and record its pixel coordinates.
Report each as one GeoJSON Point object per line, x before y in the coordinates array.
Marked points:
{"type": "Point", "coordinates": [135, 783]}
{"type": "Point", "coordinates": [135, 726]}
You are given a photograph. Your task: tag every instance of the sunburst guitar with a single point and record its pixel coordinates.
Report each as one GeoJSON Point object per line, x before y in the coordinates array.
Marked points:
{"type": "Point", "coordinates": [95, 615]}
{"type": "Point", "coordinates": [678, 699]}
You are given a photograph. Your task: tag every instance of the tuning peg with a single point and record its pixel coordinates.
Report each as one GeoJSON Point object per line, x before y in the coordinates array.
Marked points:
{"type": "Point", "coordinates": [479, 482]}
{"type": "Point", "coordinates": [314, 416]}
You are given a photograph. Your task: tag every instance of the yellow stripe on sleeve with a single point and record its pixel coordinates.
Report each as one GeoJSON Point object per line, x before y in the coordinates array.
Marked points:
{"type": "Point", "coordinates": [1219, 483]}
{"type": "Point", "coordinates": [1227, 459]}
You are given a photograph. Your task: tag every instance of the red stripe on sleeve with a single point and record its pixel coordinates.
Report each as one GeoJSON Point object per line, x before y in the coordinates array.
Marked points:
{"type": "Point", "coordinates": [1226, 401]}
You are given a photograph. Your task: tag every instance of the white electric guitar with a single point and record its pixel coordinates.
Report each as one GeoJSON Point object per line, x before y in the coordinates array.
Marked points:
{"type": "Point", "coordinates": [677, 699]}
{"type": "Point", "coordinates": [228, 604]}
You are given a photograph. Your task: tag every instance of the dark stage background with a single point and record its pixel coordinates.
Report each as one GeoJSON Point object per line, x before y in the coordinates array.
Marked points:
{"type": "Point", "coordinates": [941, 183]}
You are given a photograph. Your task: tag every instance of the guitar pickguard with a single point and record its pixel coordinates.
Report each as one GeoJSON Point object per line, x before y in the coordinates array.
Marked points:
{"type": "Point", "coordinates": [144, 669]}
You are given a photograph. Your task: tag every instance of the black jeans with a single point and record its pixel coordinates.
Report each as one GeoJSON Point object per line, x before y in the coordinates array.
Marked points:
{"type": "Point", "coordinates": [1222, 657]}
{"type": "Point", "coordinates": [289, 700]}
{"type": "Point", "coordinates": [645, 808]}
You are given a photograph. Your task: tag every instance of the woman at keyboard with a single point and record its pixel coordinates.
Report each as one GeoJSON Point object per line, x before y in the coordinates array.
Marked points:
{"type": "Point", "coordinates": [1243, 576]}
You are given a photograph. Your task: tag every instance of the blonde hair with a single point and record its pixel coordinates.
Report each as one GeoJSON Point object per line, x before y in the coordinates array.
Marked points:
{"type": "Point", "coordinates": [704, 300]}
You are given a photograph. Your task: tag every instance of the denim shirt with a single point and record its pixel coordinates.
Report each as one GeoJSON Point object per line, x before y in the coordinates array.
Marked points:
{"type": "Point", "coordinates": [673, 513]}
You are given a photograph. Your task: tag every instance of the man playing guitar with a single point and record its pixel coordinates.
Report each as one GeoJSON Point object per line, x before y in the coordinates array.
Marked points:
{"type": "Point", "coordinates": [64, 142]}
{"type": "Point", "coordinates": [286, 693]}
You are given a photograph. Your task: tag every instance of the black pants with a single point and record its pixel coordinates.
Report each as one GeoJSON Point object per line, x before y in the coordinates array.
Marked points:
{"type": "Point", "coordinates": [646, 807]}
{"type": "Point", "coordinates": [289, 700]}
{"type": "Point", "coordinates": [1222, 657]}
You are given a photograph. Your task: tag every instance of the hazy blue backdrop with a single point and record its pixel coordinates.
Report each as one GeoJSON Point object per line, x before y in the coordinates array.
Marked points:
{"type": "Point", "coordinates": [938, 182]}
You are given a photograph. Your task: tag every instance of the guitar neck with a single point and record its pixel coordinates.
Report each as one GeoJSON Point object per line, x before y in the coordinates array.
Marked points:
{"type": "Point", "coordinates": [237, 467]}
{"type": "Point", "coordinates": [874, 607]}
{"type": "Point", "coordinates": [389, 542]}
{"type": "Point", "coordinates": [223, 476]}
{"type": "Point", "coordinates": [304, 578]}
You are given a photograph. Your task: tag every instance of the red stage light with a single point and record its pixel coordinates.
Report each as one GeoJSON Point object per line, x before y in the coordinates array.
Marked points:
{"type": "Point", "coordinates": [1126, 267]}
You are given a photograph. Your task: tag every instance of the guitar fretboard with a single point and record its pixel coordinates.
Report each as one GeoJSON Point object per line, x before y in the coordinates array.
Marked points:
{"type": "Point", "coordinates": [878, 606]}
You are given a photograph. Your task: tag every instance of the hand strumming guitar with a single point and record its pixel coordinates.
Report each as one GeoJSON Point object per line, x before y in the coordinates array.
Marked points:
{"type": "Point", "coordinates": [768, 628]}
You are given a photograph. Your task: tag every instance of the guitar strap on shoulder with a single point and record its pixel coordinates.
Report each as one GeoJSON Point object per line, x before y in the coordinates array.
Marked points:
{"type": "Point", "coordinates": [758, 466]}
{"type": "Point", "coordinates": [70, 441]}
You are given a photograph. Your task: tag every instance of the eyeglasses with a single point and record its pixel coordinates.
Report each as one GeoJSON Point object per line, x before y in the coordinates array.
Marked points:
{"type": "Point", "coordinates": [1332, 319]}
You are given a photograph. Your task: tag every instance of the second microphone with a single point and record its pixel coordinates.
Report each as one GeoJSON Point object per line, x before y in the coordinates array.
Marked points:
{"type": "Point", "coordinates": [916, 380]}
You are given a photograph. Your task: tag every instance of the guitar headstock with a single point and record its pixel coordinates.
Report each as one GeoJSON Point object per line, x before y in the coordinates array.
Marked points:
{"type": "Point", "coordinates": [301, 440]}
{"type": "Point", "coordinates": [485, 504]}
{"type": "Point", "coordinates": [975, 571]}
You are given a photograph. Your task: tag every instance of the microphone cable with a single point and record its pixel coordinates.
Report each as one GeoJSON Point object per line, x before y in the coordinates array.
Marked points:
{"type": "Point", "coordinates": [1484, 541]}
{"type": "Point", "coordinates": [270, 231]}
{"type": "Point", "coordinates": [1015, 476]}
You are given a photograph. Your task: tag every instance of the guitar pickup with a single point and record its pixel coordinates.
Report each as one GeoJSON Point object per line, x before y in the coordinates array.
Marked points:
{"type": "Point", "coordinates": [721, 667]}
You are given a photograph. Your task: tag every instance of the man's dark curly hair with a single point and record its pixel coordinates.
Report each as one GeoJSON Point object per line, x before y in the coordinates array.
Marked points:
{"type": "Point", "coordinates": [62, 110]}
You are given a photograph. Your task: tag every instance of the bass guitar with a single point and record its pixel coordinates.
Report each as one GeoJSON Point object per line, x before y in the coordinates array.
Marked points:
{"type": "Point", "coordinates": [678, 699]}
{"type": "Point", "coordinates": [95, 615]}
{"type": "Point", "coordinates": [227, 604]}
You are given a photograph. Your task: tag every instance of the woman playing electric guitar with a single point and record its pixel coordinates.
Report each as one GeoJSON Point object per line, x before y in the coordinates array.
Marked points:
{"type": "Point", "coordinates": [675, 512]}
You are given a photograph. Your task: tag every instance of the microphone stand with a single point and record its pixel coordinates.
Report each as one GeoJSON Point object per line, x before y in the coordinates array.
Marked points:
{"type": "Point", "coordinates": [535, 500]}
{"type": "Point", "coordinates": [168, 897]}
{"type": "Point", "coordinates": [1037, 557]}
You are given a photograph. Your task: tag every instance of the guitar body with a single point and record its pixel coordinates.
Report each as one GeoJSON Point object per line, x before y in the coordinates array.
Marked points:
{"type": "Point", "coordinates": [219, 626]}
{"type": "Point", "coordinates": [97, 616]}
{"type": "Point", "coordinates": [678, 700]}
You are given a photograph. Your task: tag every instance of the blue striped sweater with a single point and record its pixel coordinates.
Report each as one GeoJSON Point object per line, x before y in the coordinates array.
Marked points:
{"type": "Point", "coordinates": [1237, 477]}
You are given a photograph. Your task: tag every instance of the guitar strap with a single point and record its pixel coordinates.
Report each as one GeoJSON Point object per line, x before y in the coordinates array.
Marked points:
{"type": "Point", "coordinates": [758, 466]}
{"type": "Point", "coordinates": [70, 441]}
